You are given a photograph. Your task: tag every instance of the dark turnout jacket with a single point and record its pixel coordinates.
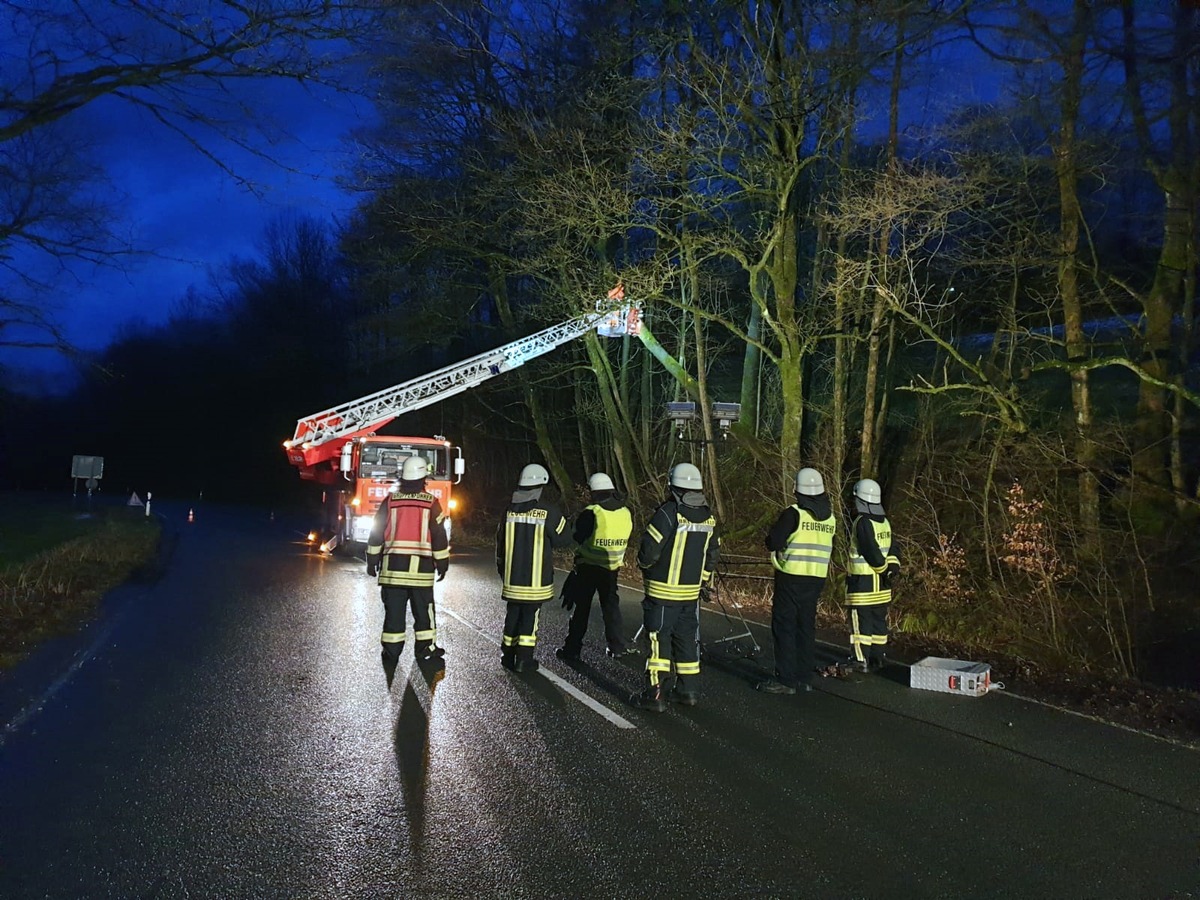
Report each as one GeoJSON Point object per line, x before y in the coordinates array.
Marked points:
{"type": "Point", "coordinates": [679, 549]}
{"type": "Point", "coordinates": [525, 541]}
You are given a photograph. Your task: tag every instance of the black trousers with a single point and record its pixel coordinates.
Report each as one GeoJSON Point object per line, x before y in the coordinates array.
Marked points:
{"type": "Point", "coordinates": [396, 601]}
{"type": "Point", "coordinates": [674, 632]}
{"type": "Point", "coordinates": [794, 626]}
{"type": "Point", "coordinates": [589, 581]}
{"type": "Point", "coordinates": [520, 630]}
{"type": "Point", "coordinates": [868, 631]}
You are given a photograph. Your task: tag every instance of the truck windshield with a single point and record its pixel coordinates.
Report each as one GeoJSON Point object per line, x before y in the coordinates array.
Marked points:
{"type": "Point", "coordinates": [385, 460]}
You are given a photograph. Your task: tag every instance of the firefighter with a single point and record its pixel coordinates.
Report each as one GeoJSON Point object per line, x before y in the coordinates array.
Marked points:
{"type": "Point", "coordinates": [677, 555]}
{"type": "Point", "coordinates": [525, 541]}
{"type": "Point", "coordinates": [873, 565]}
{"type": "Point", "coordinates": [800, 543]}
{"type": "Point", "coordinates": [602, 532]}
{"type": "Point", "coordinates": [408, 545]}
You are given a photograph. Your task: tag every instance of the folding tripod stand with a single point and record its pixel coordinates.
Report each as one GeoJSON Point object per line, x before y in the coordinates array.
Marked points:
{"type": "Point", "coordinates": [734, 634]}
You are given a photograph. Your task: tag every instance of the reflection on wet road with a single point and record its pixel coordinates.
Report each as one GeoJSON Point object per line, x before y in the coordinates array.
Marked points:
{"type": "Point", "coordinates": [231, 732]}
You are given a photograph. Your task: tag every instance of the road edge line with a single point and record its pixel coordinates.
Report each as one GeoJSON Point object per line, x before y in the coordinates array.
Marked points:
{"type": "Point", "coordinates": [565, 686]}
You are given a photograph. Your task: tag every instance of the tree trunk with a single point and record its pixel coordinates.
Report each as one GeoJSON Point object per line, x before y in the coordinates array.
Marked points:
{"type": "Point", "coordinates": [867, 450]}
{"type": "Point", "coordinates": [751, 370]}
{"type": "Point", "coordinates": [1166, 296]}
{"type": "Point", "coordinates": [619, 432]}
{"type": "Point", "coordinates": [1067, 174]}
{"type": "Point", "coordinates": [702, 382]}
{"type": "Point", "coordinates": [868, 464]}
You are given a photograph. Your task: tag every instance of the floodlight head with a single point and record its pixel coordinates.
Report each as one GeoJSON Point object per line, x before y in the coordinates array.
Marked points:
{"type": "Point", "coordinates": [681, 413]}
{"type": "Point", "coordinates": [726, 414]}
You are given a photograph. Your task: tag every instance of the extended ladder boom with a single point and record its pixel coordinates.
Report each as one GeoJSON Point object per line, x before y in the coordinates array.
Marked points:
{"type": "Point", "coordinates": [319, 437]}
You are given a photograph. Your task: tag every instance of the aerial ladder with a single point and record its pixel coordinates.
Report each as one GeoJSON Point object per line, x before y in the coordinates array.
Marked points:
{"type": "Point", "coordinates": [319, 438]}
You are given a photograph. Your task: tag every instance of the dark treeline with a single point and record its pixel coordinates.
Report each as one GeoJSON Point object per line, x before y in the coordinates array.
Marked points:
{"type": "Point", "coordinates": [993, 314]}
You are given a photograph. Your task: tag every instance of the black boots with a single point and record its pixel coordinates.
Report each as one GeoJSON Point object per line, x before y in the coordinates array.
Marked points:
{"type": "Point", "coordinates": [684, 698]}
{"type": "Point", "coordinates": [651, 699]}
{"type": "Point", "coordinates": [774, 687]}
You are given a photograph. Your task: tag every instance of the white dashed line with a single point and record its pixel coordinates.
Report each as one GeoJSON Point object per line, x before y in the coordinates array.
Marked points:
{"type": "Point", "coordinates": [565, 686]}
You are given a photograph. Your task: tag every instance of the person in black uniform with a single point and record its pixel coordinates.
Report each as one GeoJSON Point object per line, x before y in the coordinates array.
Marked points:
{"type": "Point", "coordinates": [525, 541]}
{"type": "Point", "coordinates": [602, 532]}
{"type": "Point", "coordinates": [873, 566]}
{"type": "Point", "coordinates": [408, 544]}
{"type": "Point", "coordinates": [801, 544]}
{"type": "Point", "coordinates": [678, 554]}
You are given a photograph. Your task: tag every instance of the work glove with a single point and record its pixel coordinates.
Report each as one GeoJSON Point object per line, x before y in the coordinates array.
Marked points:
{"type": "Point", "coordinates": [568, 594]}
{"type": "Point", "coordinates": [441, 575]}
{"type": "Point", "coordinates": [892, 575]}
{"type": "Point", "coordinates": [372, 568]}
{"type": "Point", "coordinates": [706, 593]}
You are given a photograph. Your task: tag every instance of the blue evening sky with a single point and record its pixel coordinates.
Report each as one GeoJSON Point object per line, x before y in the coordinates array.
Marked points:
{"type": "Point", "coordinates": [186, 216]}
{"type": "Point", "coordinates": [177, 205]}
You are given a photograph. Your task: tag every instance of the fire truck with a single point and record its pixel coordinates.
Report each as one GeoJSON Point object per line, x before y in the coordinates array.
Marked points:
{"type": "Point", "coordinates": [340, 447]}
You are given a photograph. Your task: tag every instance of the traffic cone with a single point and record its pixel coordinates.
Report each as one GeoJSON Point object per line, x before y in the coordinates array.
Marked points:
{"type": "Point", "coordinates": [191, 515]}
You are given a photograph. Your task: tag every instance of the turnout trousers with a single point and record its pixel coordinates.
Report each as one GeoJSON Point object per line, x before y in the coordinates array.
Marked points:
{"type": "Point", "coordinates": [589, 581]}
{"type": "Point", "coordinates": [396, 600]}
{"type": "Point", "coordinates": [794, 627]}
{"type": "Point", "coordinates": [520, 630]}
{"type": "Point", "coordinates": [674, 632]}
{"type": "Point", "coordinates": [868, 632]}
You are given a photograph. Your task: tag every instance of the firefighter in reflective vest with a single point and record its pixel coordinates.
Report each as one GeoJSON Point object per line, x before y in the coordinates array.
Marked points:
{"type": "Point", "coordinates": [873, 565]}
{"type": "Point", "coordinates": [408, 545]}
{"type": "Point", "coordinates": [525, 541]}
{"type": "Point", "coordinates": [800, 543]}
{"type": "Point", "coordinates": [602, 532]}
{"type": "Point", "coordinates": [677, 555]}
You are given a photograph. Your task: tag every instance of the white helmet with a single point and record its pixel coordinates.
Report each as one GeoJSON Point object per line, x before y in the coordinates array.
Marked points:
{"type": "Point", "coordinates": [809, 482]}
{"type": "Point", "coordinates": [533, 475]}
{"type": "Point", "coordinates": [867, 490]}
{"type": "Point", "coordinates": [415, 468]}
{"type": "Point", "coordinates": [601, 482]}
{"type": "Point", "coordinates": [686, 476]}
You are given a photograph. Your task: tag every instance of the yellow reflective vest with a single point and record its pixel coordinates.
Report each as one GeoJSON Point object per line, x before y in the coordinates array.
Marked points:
{"type": "Point", "coordinates": [866, 585]}
{"type": "Point", "coordinates": [809, 547]}
{"type": "Point", "coordinates": [606, 545]}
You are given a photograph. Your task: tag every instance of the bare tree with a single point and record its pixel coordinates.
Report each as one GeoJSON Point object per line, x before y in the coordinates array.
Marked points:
{"type": "Point", "coordinates": [177, 62]}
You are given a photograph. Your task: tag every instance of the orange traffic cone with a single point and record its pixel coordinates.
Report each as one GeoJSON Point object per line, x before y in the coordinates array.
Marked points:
{"type": "Point", "coordinates": [191, 515]}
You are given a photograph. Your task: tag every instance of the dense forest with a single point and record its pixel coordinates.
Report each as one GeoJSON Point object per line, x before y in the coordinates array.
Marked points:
{"type": "Point", "coordinates": [990, 308]}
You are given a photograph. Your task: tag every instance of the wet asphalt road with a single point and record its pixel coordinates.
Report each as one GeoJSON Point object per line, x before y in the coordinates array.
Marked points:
{"type": "Point", "coordinates": [228, 731]}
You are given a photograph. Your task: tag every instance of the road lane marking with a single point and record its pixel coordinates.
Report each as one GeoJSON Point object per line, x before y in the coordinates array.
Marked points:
{"type": "Point", "coordinates": [35, 706]}
{"type": "Point", "coordinates": [565, 686]}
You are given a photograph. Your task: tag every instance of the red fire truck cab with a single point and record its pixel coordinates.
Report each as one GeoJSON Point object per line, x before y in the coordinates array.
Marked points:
{"type": "Point", "coordinates": [370, 468]}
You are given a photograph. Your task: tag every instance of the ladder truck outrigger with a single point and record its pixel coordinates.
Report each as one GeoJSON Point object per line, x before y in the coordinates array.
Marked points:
{"type": "Point", "coordinates": [340, 449]}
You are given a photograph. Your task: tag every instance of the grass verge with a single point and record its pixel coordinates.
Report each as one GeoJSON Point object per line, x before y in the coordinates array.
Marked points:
{"type": "Point", "coordinates": [56, 564]}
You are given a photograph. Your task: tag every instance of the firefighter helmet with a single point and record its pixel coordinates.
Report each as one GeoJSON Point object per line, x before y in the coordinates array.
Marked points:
{"type": "Point", "coordinates": [686, 476]}
{"type": "Point", "coordinates": [533, 475]}
{"type": "Point", "coordinates": [809, 482]}
{"type": "Point", "coordinates": [867, 490]}
{"type": "Point", "coordinates": [601, 482]}
{"type": "Point", "coordinates": [415, 468]}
